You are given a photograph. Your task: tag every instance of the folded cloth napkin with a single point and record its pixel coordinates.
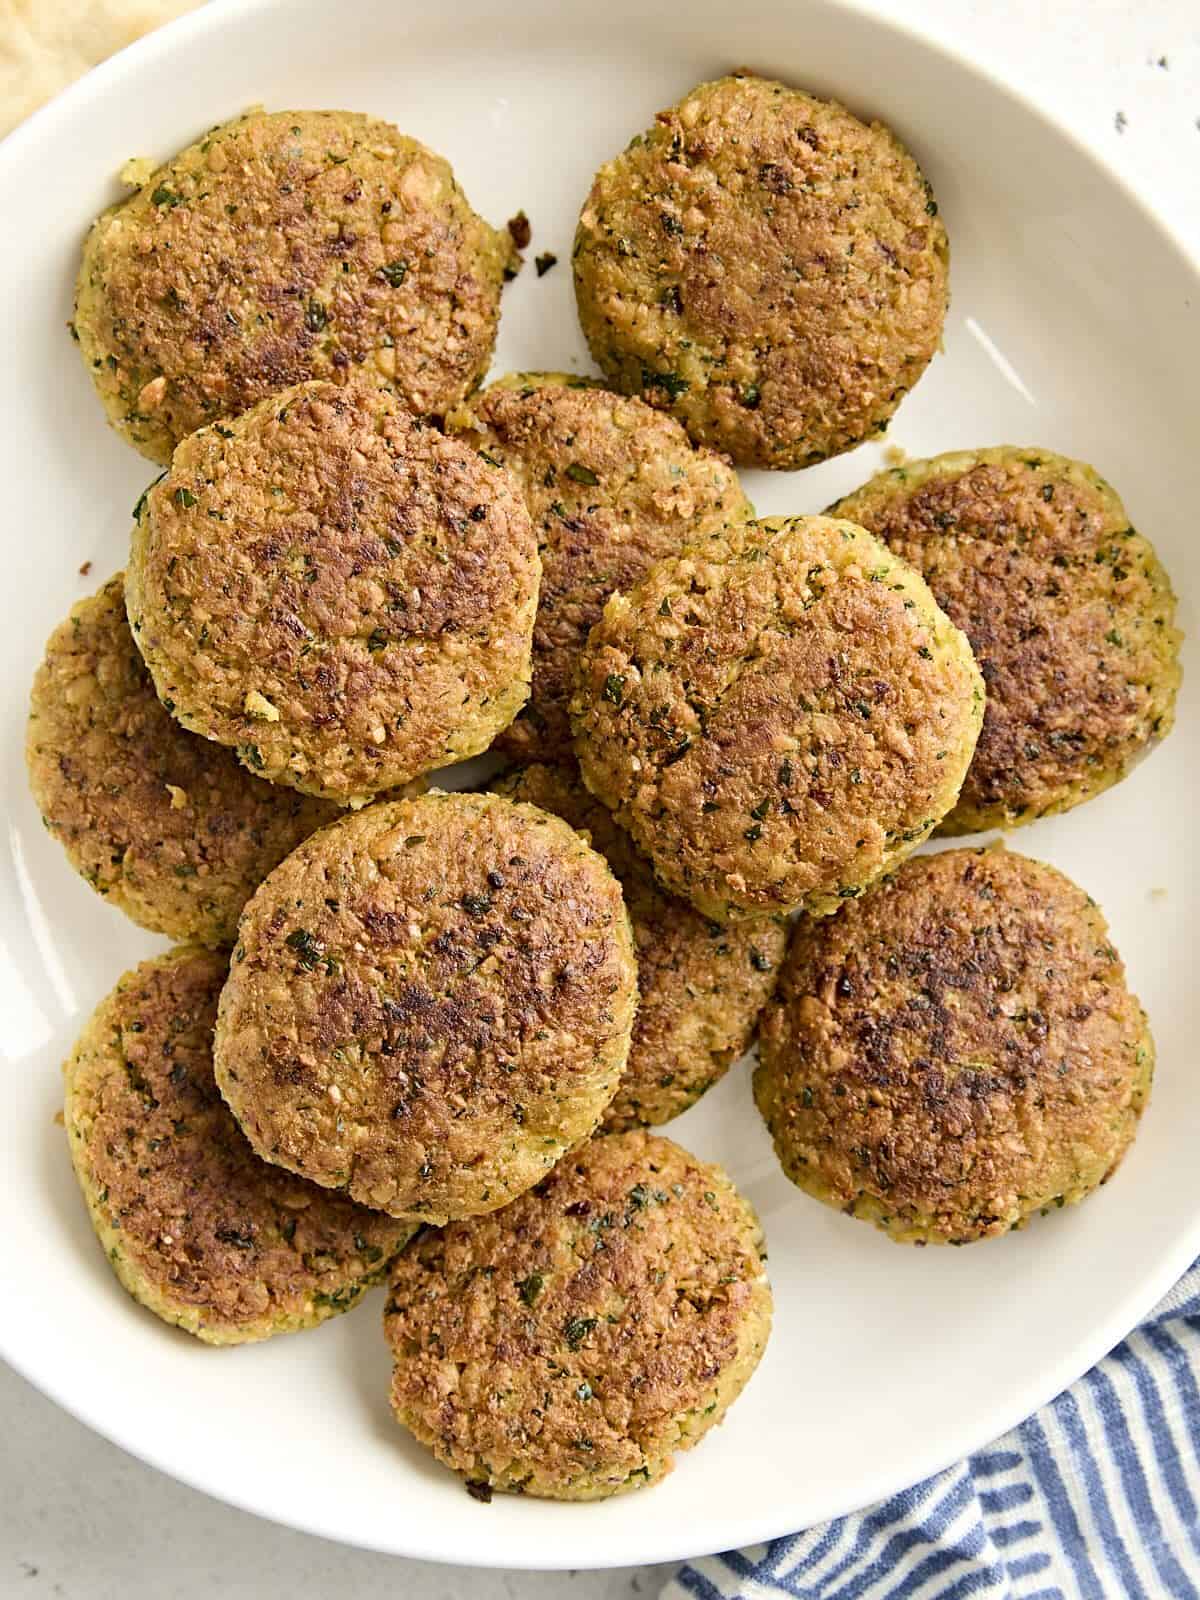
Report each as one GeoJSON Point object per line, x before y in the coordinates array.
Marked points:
{"type": "Point", "coordinates": [47, 44]}
{"type": "Point", "coordinates": [1095, 1497]}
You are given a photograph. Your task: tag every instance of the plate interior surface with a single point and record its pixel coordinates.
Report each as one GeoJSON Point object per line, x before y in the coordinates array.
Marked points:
{"type": "Point", "coordinates": [1073, 327]}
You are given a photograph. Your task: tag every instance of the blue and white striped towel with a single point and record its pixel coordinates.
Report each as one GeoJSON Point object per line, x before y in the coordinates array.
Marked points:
{"type": "Point", "coordinates": [1093, 1498]}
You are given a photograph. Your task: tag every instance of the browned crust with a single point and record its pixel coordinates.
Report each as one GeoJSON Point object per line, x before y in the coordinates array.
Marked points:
{"type": "Point", "coordinates": [612, 486]}
{"type": "Point", "coordinates": [165, 825]}
{"type": "Point", "coordinates": [956, 1050]}
{"type": "Point", "coordinates": [1067, 608]}
{"type": "Point", "coordinates": [196, 1227]}
{"type": "Point", "coordinates": [701, 985]}
{"type": "Point", "coordinates": [567, 1345]}
{"type": "Point", "coordinates": [767, 267]}
{"type": "Point", "coordinates": [286, 246]}
{"type": "Point", "coordinates": [343, 595]}
{"type": "Point", "coordinates": [429, 1002]}
{"type": "Point", "coordinates": [777, 715]}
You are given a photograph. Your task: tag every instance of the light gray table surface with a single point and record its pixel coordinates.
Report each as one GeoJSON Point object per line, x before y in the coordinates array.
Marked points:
{"type": "Point", "coordinates": [78, 1517]}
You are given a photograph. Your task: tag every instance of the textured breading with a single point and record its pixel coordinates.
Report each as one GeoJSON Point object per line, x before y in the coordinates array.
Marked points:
{"type": "Point", "coordinates": [701, 985]}
{"type": "Point", "coordinates": [569, 1344]}
{"type": "Point", "coordinates": [767, 267]}
{"type": "Point", "coordinates": [612, 485]}
{"type": "Point", "coordinates": [285, 246]}
{"type": "Point", "coordinates": [429, 1002]}
{"type": "Point", "coordinates": [340, 593]}
{"type": "Point", "coordinates": [164, 824]}
{"type": "Point", "coordinates": [777, 716]}
{"type": "Point", "coordinates": [956, 1050]}
{"type": "Point", "coordinates": [195, 1226]}
{"type": "Point", "coordinates": [1068, 610]}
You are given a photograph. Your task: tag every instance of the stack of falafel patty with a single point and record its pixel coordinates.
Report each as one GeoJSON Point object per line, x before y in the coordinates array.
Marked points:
{"type": "Point", "coordinates": [418, 1036]}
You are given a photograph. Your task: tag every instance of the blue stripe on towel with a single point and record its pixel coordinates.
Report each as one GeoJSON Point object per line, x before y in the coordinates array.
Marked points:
{"type": "Point", "coordinates": [1097, 1497]}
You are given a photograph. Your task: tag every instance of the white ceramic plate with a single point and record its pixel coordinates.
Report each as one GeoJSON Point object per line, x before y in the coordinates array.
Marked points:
{"type": "Point", "coordinates": [1073, 326]}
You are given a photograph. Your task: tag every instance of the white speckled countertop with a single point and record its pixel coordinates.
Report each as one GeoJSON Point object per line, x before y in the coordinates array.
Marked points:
{"type": "Point", "coordinates": [81, 1520]}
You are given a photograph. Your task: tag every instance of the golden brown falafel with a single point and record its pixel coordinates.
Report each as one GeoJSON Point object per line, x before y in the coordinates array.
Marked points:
{"type": "Point", "coordinates": [701, 985]}
{"type": "Point", "coordinates": [163, 824]}
{"type": "Point", "coordinates": [285, 246]}
{"type": "Point", "coordinates": [567, 1345]}
{"type": "Point", "coordinates": [429, 1002]}
{"type": "Point", "coordinates": [343, 595]}
{"type": "Point", "coordinates": [1067, 608]}
{"type": "Point", "coordinates": [612, 486]}
{"type": "Point", "coordinates": [765, 266]}
{"type": "Point", "coordinates": [196, 1227]}
{"type": "Point", "coordinates": [955, 1051]}
{"type": "Point", "coordinates": [777, 716]}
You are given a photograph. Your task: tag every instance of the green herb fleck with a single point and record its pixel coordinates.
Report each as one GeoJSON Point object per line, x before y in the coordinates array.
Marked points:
{"type": "Point", "coordinates": [529, 1288]}
{"type": "Point", "coordinates": [576, 1330]}
{"type": "Point", "coordinates": [307, 948]}
{"type": "Point", "coordinates": [670, 381]}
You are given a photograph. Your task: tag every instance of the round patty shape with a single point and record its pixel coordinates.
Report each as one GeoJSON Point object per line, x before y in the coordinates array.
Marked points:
{"type": "Point", "coordinates": [701, 985]}
{"type": "Point", "coordinates": [612, 486]}
{"type": "Point", "coordinates": [429, 1002]}
{"type": "Point", "coordinates": [165, 825]}
{"type": "Point", "coordinates": [568, 1344]}
{"type": "Point", "coordinates": [337, 591]}
{"type": "Point", "coordinates": [1067, 608]}
{"type": "Point", "coordinates": [777, 716]}
{"type": "Point", "coordinates": [285, 246]}
{"type": "Point", "coordinates": [955, 1051]}
{"type": "Point", "coordinates": [196, 1227]}
{"type": "Point", "coordinates": [766, 267]}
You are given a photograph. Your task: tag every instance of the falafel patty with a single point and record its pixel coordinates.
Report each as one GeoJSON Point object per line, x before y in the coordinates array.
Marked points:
{"type": "Point", "coordinates": [284, 246]}
{"type": "Point", "coordinates": [567, 1345]}
{"type": "Point", "coordinates": [337, 591]}
{"type": "Point", "coordinates": [429, 1002]}
{"type": "Point", "coordinates": [767, 268]}
{"type": "Point", "coordinates": [1067, 607]}
{"type": "Point", "coordinates": [777, 716]}
{"type": "Point", "coordinates": [612, 486]}
{"type": "Point", "coordinates": [955, 1051]}
{"type": "Point", "coordinates": [195, 1226]}
{"type": "Point", "coordinates": [701, 985]}
{"type": "Point", "coordinates": [165, 825]}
